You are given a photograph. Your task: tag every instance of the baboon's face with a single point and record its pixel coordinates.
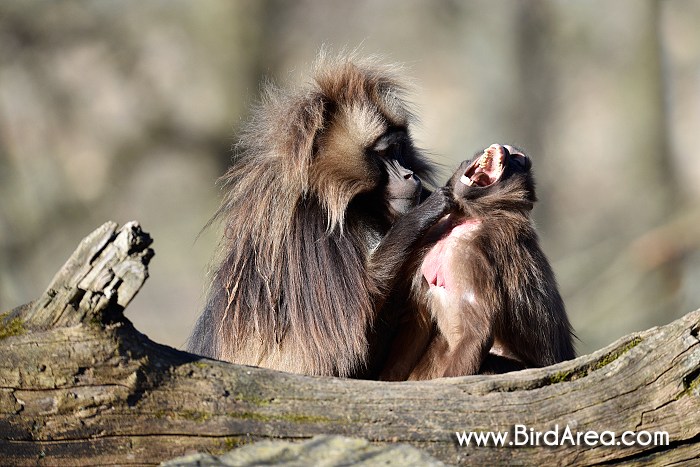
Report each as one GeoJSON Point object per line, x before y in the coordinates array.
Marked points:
{"type": "Point", "coordinates": [362, 152]}
{"type": "Point", "coordinates": [496, 168]}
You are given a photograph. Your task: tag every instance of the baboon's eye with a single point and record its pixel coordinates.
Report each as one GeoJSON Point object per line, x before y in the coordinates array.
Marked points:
{"type": "Point", "coordinates": [392, 145]}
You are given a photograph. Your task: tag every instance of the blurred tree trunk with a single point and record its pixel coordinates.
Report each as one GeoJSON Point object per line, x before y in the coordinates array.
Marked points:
{"type": "Point", "coordinates": [593, 113]}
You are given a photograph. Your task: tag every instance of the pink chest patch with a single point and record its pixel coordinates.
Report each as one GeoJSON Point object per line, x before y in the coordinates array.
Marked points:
{"type": "Point", "coordinates": [434, 267]}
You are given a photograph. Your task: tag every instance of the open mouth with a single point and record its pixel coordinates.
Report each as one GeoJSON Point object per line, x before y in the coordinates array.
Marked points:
{"type": "Point", "coordinates": [488, 168]}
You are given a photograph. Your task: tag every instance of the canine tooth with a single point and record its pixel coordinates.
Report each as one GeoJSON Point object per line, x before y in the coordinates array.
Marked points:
{"type": "Point", "coordinates": [466, 180]}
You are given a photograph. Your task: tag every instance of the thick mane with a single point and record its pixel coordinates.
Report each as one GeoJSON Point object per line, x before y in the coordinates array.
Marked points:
{"type": "Point", "coordinates": [287, 284]}
{"type": "Point", "coordinates": [276, 298]}
{"type": "Point", "coordinates": [345, 78]}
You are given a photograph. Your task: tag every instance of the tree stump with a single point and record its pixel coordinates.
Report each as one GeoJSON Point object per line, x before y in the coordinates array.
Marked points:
{"type": "Point", "coordinates": [80, 385]}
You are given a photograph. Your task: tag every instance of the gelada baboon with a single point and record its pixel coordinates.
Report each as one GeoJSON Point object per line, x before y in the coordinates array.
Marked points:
{"type": "Point", "coordinates": [311, 242]}
{"type": "Point", "coordinates": [483, 297]}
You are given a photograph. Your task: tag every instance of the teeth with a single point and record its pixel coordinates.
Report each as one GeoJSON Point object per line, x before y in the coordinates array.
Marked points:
{"type": "Point", "coordinates": [485, 159]}
{"type": "Point", "coordinates": [466, 180]}
{"type": "Point", "coordinates": [496, 149]}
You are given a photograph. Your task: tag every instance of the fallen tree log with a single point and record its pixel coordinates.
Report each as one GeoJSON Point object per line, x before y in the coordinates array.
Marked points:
{"type": "Point", "coordinates": [79, 385]}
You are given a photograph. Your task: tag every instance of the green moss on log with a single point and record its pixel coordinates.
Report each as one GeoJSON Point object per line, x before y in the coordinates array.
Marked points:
{"type": "Point", "coordinates": [606, 360]}
{"type": "Point", "coordinates": [11, 327]}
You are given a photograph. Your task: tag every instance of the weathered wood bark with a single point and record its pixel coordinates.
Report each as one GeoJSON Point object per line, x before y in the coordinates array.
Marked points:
{"type": "Point", "coordinates": [79, 385]}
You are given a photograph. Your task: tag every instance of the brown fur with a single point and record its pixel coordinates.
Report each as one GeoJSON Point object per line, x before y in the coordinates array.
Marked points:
{"type": "Point", "coordinates": [296, 288]}
{"type": "Point", "coordinates": [503, 310]}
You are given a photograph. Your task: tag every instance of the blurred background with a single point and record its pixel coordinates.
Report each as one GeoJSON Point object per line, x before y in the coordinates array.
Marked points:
{"type": "Point", "coordinates": [127, 110]}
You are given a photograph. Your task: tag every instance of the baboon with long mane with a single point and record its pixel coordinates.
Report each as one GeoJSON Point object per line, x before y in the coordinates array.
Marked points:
{"type": "Point", "coordinates": [312, 243]}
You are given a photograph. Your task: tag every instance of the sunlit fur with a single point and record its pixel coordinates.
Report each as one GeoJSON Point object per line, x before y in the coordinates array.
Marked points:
{"type": "Point", "coordinates": [304, 205]}
{"type": "Point", "coordinates": [504, 310]}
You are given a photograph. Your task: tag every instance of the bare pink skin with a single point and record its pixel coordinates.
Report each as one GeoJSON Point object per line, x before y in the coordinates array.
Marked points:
{"type": "Point", "coordinates": [436, 261]}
